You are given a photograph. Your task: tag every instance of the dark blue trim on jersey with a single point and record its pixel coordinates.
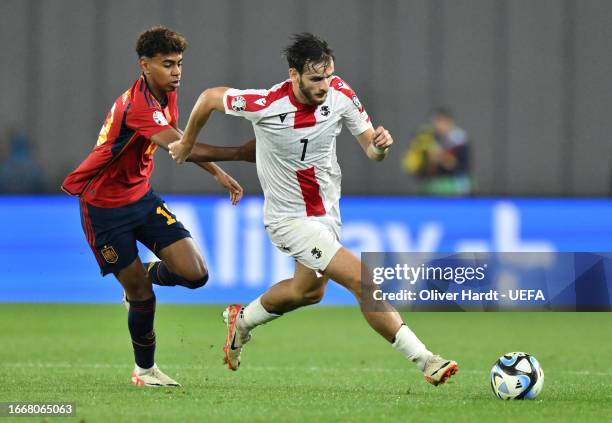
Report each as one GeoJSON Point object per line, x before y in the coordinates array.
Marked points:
{"type": "Point", "coordinates": [144, 93]}
{"type": "Point", "coordinates": [125, 134]}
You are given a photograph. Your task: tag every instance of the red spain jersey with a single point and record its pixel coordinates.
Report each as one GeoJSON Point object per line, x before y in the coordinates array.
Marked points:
{"type": "Point", "coordinates": [117, 171]}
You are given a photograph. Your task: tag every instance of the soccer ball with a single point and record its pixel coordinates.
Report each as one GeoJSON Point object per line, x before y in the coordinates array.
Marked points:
{"type": "Point", "coordinates": [517, 375]}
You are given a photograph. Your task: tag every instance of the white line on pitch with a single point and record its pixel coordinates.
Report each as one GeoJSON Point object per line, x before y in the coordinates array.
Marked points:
{"type": "Point", "coordinates": [60, 365]}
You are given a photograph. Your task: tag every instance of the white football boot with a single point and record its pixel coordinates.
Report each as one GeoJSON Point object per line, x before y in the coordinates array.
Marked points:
{"type": "Point", "coordinates": [153, 377]}
{"type": "Point", "coordinates": [438, 370]}
{"type": "Point", "coordinates": [236, 338]}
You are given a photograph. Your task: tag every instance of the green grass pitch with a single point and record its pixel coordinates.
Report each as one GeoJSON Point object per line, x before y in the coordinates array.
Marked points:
{"type": "Point", "coordinates": [320, 363]}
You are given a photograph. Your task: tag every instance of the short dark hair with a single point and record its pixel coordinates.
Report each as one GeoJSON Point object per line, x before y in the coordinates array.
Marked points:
{"type": "Point", "coordinates": [307, 50]}
{"type": "Point", "coordinates": [160, 40]}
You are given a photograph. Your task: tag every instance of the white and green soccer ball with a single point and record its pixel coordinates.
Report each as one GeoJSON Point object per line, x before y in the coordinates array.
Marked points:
{"type": "Point", "coordinates": [517, 375]}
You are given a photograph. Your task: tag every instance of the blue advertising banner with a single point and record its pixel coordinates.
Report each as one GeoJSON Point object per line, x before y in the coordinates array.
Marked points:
{"type": "Point", "coordinates": [44, 255]}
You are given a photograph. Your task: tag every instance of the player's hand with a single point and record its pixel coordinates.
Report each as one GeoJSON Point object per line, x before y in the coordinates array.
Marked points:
{"type": "Point", "coordinates": [179, 151]}
{"type": "Point", "coordinates": [235, 190]}
{"type": "Point", "coordinates": [382, 138]}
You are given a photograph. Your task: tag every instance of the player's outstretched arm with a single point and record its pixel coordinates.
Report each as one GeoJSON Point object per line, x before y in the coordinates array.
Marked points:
{"type": "Point", "coordinates": [212, 153]}
{"type": "Point", "coordinates": [205, 152]}
{"type": "Point", "coordinates": [166, 137]}
{"type": "Point", "coordinates": [211, 99]}
{"type": "Point", "coordinates": [375, 143]}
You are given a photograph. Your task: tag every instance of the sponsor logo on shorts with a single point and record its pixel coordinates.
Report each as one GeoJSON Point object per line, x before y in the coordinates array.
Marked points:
{"type": "Point", "coordinates": [316, 253]}
{"type": "Point", "coordinates": [109, 254]}
{"type": "Point", "coordinates": [238, 103]}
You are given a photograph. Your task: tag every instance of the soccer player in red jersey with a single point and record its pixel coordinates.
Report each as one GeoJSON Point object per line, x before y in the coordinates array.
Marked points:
{"type": "Point", "coordinates": [118, 206]}
{"type": "Point", "coordinates": [296, 123]}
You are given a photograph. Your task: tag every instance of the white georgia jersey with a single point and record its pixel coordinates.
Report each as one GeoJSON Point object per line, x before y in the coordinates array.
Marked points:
{"type": "Point", "coordinates": [296, 145]}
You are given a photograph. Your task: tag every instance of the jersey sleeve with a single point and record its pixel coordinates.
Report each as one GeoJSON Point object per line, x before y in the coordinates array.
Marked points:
{"type": "Point", "coordinates": [147, 120]}
{"type": "Point", "coordinates": [354, 115]}
{"type": "Point", "coordinates": [249, 104]}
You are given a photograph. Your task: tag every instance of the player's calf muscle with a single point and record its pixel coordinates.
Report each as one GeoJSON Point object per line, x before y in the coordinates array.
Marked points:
{"type": "Point", "coordinates": [312, 296]}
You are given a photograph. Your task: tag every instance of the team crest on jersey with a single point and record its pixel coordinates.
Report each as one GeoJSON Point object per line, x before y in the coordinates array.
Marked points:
{"type": "Point", "coordinates": [109, 254]}
{"type": "Point", "coordinates": [356, 102]}
{"type": "Point", "coordinates": [238, 103]}
{"type": "Point", "coordinates": [325, 111]}
{"type": "Point", "coordinates": [159, 118]}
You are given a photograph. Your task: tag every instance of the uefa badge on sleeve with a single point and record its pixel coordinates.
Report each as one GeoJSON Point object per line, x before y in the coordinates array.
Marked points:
{"type": "Point", "coordinates": [238, 103]}
{"type": "Point", "coordinates": [159, 118]}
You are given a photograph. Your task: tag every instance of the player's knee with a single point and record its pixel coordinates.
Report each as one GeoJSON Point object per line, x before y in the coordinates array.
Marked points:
{"type": "Point", "coordinates": [195, 272]}
{"type": "Point", "coordinates": [198, 281]}
{"type": "Point", "coordinates": [139, 293]}
{"type": "Point", "coordinates": [313, 297]}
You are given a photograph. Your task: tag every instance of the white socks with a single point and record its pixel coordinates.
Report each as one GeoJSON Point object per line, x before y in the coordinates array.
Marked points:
{"type": "Point", "coordinates": [255, 314]}
{"type": "Point", "coordinates": [140, 371]}
{"type": "Point", "coordinates": [411, 347]}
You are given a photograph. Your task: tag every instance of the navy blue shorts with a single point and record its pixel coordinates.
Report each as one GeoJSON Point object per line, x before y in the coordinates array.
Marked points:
{"type": "Point", "coordinates": [112, 232]}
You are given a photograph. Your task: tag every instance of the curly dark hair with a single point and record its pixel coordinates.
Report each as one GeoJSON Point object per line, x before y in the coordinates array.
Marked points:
{"type": "Point", "coordinates": [160, 40]}
{"type": "Point", "coordinates": [307, 50]}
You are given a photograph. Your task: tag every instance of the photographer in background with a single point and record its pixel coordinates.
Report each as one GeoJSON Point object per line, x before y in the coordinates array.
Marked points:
{"type": "Point", "coordinates": [439, 156]}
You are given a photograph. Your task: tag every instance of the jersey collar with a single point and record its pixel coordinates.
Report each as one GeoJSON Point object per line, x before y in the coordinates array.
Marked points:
{"type": "Point", "coordinates": [293, 100]}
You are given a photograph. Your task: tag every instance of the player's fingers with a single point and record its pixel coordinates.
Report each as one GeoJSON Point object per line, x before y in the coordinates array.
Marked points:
{"type": "Point", "coordinates": [385, 142]}
{"type": "Point", "coordinates": [237, 196]}
{"type": "Point", "coordinates": [381, 139]}
{"type": "Point", "coordinates": [379, 133]}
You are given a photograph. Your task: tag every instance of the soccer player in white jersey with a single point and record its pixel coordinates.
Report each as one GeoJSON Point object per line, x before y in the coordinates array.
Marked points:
{"type": "Point", "coordinates": [296, 123]}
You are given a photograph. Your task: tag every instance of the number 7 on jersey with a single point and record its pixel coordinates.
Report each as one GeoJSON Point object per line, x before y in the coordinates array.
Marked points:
{"type": "Point", "coordinates": [305, 142]}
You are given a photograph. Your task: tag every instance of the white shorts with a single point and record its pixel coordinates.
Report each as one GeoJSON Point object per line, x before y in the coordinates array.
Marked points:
{"type": "Point", "coordinates": [313, 241]}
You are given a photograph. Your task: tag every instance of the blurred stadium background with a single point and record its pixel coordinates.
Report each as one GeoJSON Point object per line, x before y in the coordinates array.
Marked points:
{"type": "Point", "coordinates": [529, 81]}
